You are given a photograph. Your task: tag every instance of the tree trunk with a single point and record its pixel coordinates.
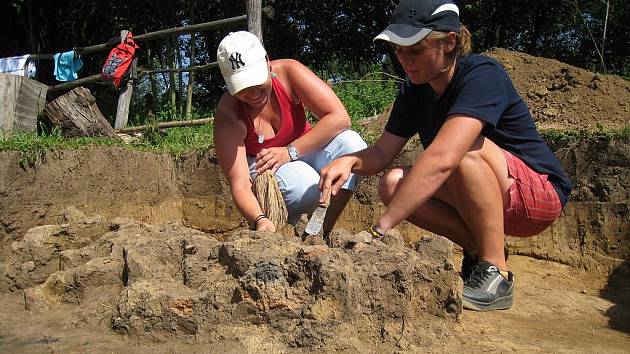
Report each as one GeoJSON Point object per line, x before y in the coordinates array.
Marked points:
{"type": "Point", "coordinates": [180, 81]}
{"type": "Point", "coordinates": [172, 88]}
{"type": "Point", "coordinates": [155, 93]}
{"type": "Point", "coordinates": [31, 33]}
{"type": "Point", "coordinates": [191, 75]}
{"type": "Point", "coordinates": [254, 22]}
{"type": "Point", "coordinates": [78, 115]}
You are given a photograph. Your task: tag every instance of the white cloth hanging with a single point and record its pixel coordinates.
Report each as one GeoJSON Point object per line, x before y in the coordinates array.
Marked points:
{"type": "Point", "coordinates": [18, 66]}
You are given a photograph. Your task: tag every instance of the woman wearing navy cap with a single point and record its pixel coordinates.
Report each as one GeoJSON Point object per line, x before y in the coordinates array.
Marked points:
{"type": "Point", "coordinates": [485, 171]}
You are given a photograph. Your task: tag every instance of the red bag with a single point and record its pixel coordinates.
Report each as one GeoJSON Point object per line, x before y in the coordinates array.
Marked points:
{"type": "Point", "coordinates": [119, 60]}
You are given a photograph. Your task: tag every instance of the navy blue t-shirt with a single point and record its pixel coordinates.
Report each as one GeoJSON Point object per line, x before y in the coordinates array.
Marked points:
{"type": "Point", "coordinates": [480, 88]}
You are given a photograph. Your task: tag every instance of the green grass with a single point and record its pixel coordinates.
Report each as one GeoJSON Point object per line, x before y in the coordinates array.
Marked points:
{"type": "Point", "coordinates": [34, 147]}
{"type": "Point", "coordinates": [368, 95]}
{"type": "Point", "coordinates": [174, 141]}
{"type": "Point", "coordinates": [562, 137]}
{"type": "Point", "coordinates": [177, 141]}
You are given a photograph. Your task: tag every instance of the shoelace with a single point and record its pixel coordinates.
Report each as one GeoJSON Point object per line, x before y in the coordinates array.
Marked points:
{"type": "Point", "coordinates": [477, 277]}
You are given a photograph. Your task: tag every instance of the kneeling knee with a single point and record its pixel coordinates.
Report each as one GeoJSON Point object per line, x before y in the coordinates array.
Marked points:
{"type": "Point", "coordinates": [471, 160]}
{"type": "Point", "coordinates": [351, 142]}
{"type": "Point", "coordinates": [388, 184]}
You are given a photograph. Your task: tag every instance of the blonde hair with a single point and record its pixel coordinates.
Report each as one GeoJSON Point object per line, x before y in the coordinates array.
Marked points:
{"type": "Point", "coordinates": [463, 43]}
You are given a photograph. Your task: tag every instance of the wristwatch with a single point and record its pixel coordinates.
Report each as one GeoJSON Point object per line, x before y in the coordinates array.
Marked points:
{"type": "Point", "coordinates": [293, 153]}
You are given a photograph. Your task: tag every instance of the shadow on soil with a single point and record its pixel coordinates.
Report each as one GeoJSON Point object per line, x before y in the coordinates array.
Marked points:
{"type": "Point", "coordinates": [618, 291]}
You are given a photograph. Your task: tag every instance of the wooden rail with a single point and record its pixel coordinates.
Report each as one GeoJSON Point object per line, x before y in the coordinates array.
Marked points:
{"type": "Point", "coordinates": [252, 18]}
{"type": "Point", "coordinates": [169, 32]}
{"type": "Point", "coordinates": [97, 78]}
{"type": "Point", "coordinates": [164, 125]}
{"type": "Point", "coordinates": [206, 26]}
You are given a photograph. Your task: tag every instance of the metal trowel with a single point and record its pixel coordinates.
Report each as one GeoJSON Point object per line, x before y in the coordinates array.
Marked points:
{"type": "Point", "coordinates": [317, 218]}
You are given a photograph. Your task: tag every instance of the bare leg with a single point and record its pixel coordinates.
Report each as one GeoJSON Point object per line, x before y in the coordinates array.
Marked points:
{"type": "Point", "coordinates": [435, 215]}
{"type": "Point", "coordinates": [468, 208]}
{"type": "Point", "coordinates": [477, 196]}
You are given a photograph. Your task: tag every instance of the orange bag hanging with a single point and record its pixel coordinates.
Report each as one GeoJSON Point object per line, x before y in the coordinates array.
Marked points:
{"type": "Point", "coordinates": [119, 60]}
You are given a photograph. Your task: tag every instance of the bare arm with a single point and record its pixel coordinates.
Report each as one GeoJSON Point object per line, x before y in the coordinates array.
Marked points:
{"type": "Point", "coordinates": [320, 99]}
{"type": "Point", "coordinates": [366, 162]}
{"type": "Point", "coordinates": [304, 86]}
{"type": "Point", "coordinates": [432, 168]}
{"type": "Point", "coordinates": [229, 136]}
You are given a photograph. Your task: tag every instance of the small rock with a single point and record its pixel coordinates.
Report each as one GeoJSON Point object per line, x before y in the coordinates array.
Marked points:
{"type": "Point", "coordinates": [393, 238]}
{"type": "Point", "coordinates": [541, 91]}
{"type": "Point", "coordinates": [28, 267]}
{"type": "Point", "coordinates": [313, 240]}
{"type": "Point", "coordinates": [190, 249]}
{"type": "Point", "coordinates": [550, 112]}
{"type": "Point", "coordinates": [72, 214]}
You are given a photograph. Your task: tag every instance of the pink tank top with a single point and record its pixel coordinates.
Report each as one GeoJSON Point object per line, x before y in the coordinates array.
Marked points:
{"type": "Point", "coordinates": [293, 122]}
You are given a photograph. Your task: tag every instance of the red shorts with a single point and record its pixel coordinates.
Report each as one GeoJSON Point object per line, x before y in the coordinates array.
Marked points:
{"type": "Point", "coordinates": [534, 202]}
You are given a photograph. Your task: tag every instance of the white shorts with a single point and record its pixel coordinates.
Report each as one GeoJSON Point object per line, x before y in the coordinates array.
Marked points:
{"type": "Point", "coordinates": [298, 179]}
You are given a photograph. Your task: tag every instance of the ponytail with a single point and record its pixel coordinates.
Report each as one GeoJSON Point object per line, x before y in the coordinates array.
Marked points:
{"type": "Point", "coordinates": [463, 45]}
{"type": "Point", "coordinates": [464, 42]}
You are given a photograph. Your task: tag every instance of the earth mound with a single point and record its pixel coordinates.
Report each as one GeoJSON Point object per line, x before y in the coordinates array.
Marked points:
{"type": "Point", "coordinates": [168, 281]}
{"type": "Point", "coordinates": [562, 96]}
{"type": "Point", "coordinates": [559, 96]}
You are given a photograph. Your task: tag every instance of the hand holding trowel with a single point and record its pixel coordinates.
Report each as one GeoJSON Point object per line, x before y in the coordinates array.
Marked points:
{"type": "Point", "coordinates": [314, 225]}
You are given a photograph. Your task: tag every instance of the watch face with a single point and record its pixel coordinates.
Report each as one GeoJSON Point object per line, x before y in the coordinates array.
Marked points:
{"type": "Point", "coordinates": [293, 154]}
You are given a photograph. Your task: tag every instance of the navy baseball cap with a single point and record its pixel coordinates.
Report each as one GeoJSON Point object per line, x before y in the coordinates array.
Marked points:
{"type": "Point", "coordinates": [413, 20]}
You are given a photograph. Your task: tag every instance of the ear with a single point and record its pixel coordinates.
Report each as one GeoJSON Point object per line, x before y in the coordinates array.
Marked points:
{"type": "Point", "coordinates": [450, 42]}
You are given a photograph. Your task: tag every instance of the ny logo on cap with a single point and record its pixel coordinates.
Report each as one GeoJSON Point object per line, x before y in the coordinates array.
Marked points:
{"type": "Point", "coordinates": [412, 12]}
{"type": "Point", "coordinates": [236, 61]}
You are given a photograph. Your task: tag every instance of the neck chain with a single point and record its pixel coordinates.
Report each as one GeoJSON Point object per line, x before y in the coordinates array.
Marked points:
{"type": "Point", "coordinates": [261, 136]}
{"type": "Point", "coordinates": [261, 115]}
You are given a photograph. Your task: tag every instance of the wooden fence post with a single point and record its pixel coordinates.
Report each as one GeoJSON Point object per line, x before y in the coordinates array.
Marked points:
{"type": "Point", "coordinates": [124, 98]}
{"type": "Point", "coordinates": [254, 14]}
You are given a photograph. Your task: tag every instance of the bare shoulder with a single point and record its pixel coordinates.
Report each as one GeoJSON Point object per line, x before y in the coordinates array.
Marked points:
{"type": "Point", "coordinates": [226, 108]}
{"type": "Point", "coordinates": [289, 68]}
{"type": "Point", "coordinates": [226, 117]}
{"type": "Point", "coordinates": [286, 64]}
{"type": "Point", "coordinates": [295, 77]}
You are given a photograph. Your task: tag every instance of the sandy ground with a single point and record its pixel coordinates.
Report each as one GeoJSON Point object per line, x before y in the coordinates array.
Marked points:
{"type": "Point", "coordinates": [557, 309]}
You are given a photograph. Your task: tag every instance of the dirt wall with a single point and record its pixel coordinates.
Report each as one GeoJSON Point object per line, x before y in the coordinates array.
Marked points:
{"type": "Point", "coordinates": [593, 231]}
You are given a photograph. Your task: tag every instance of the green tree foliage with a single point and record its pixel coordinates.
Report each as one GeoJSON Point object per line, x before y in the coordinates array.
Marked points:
{"type": "Point", "coordinates": [554, 29]}
{"type": "Point", "coordinates": [332, 37]}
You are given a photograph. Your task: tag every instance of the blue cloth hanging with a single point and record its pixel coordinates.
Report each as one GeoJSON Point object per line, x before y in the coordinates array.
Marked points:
{"type": "Point", "coordinates": [66, 66]}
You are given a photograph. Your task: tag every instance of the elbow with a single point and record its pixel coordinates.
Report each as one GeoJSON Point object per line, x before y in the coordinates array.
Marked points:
{"type": "Point", "coordinates": [449, 164]}
{"type": "Point", "coordinates": [344, 121]}
{"type": "Point", "coordinates": [347, 125]}
{"type": "Point", "coordinates": [444, 163]}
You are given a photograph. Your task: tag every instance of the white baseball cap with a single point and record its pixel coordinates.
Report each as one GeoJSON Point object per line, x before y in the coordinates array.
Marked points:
{"type": "Point", "coordinates": [242, 60]}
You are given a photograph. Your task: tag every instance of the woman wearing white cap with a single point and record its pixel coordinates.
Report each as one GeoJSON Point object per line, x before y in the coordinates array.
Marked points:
{"type": "Point", "coordinates": [260, 124]}
{"type": "Point", "coordinates": [485, 171]}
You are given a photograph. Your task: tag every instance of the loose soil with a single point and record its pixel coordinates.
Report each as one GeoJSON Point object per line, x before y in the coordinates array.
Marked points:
{"type": "Point", "coordinates": [558, 309]}
{"type": "Point", "coordinates": [572, 281]}
{"type": "Point", "coordinates": [561, 96]}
